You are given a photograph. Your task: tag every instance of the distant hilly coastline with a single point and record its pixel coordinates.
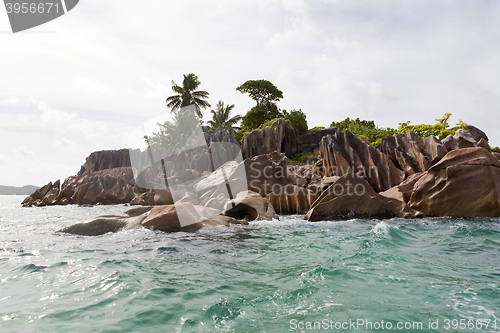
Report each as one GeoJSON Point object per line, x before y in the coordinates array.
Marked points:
{"type": "Point", "coordinates": [12, 190]}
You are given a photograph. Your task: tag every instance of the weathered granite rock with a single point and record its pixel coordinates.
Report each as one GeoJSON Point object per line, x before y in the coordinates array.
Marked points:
{"type": "Point", "coordinates": [404, 190]}
{"type": "Point", "coordinates": [496, 155]}
{"type": "Point", "coordinates": [249, 206]}
{"type": "Point", "coordinates": [45, 196]}
{"type": "Point", "coordinates": [465, 183]}
{"type": "Point", "coordinates": [266, 172]}
{"type": "Point", "coordinates": [185, 217]}
{"type": "Point", "coordinates": [136, 211]}
{"type": "Point", "coordinates": [476, 133]}
{"type": "Point", "coordinates": [461, 139]}
{"type": "Point", "coordinates": [106, 223]}
{"type": "Point", "coordinates": [345, 153]}
{"type": "Point", "coordinates": [51, 197]}
{"type": "Point", "coordinates": [292, 199]}
{"type": "Point", "coordinates": [110, 186]}
{"type": "Point", "coordinates": [37, 196]}
{"type": "Point", "coordinates": [309, 143]}
{"type": "Point", "coordinates": [216, 178]}
{"type": "Point", "coordinates": [310, 173]}
{"type": "Point", "coordinates": [484, 144]}
{"type": "Point", "coordinates": [153, 197]}
{"type": "Point", "coordinates": [105, 159]}
{"type": "Point", "coordinates": [172, 217]}
{"type": "Point", "coordinates": [352, 197]}
{"type": "Point", "coordinates": [318, 186]}
{"type": "Point", "coordinates": [412, 153]}
{"type": "Point", "coordinates": [277, 137]}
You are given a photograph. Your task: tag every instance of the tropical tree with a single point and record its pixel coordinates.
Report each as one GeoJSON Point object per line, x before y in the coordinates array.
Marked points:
{"type": "Point", "coordinates": [265, 94]}
{"type": "Point", "coordinates": [221, 116]}
{"type": "Point", "coordinates": [187, 95]}
{"type": "Point", "coordinates": [174, 134]}
{"type": "Point", "coordinates": [261, 91]}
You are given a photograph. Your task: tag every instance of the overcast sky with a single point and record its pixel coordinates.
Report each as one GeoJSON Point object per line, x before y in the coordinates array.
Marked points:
{"type": "Point", "coordinates": [83, 82]}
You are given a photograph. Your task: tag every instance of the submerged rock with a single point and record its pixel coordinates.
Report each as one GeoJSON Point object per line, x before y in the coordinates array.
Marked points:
{"type": "Point", "coordinates": [185, 217]}
{"type": "Point", "coordinates": [352, 197]}
{"type": "Point", "coordinates": [105, 223]}
{"type": "Point", "coordinates": [465, 183]}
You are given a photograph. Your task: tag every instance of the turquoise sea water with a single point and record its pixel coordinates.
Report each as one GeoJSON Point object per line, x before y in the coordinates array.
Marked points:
{"type": "Point", "coordinates": [273, 276]}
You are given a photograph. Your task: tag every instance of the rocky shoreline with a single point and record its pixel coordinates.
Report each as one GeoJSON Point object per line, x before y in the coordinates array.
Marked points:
{"type": "Point", "coordinates": [405, 176]}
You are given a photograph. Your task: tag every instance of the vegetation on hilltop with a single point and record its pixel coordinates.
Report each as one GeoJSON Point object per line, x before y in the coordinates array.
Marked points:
{"type": "Point", "coordinates": [222, 116]}
{"type": "Point", "coordinates": [440, 129]}
{"type": "Point", "coordinates": [266, 111]}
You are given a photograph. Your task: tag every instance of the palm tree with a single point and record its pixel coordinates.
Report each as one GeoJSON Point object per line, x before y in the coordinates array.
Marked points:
{"type": "Point", "coordinates": [220, 116]}
{"type": "Point", "coordinates": [186, 95]}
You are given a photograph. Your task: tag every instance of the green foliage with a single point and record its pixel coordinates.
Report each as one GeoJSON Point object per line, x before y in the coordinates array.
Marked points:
{"type": "Point", "coordinates": [264, 93]}
{"type": "Point", "coordinates": [317, 162]}
{"type": "Point", "coordinates": [261, 91]}
{"type": "Point", "coordinates": [271, 122]}
{"type": "Point", "coordinates": [174, 134]}
{"type": "Point", "coordinates": [244, 130]}
{"type": "Point", "coordinates": [297, 119]}
{"type": "Point", "coordinates": [364, 129]}
{"type": "Point", "coordinates": [462, 125]}
{"type": "Point", "coordinates": [495, 149]}
{"type": "Point", "coordinates": [299, 158]}
{"type": "Point", "coordinates": [314, 129]}
{"type": "Point", "coordinates": [186, 95]}
{"type": "Point", "coordinates": [440, 129]}
{"type": "Point", "coordinates": [259, 115]}
{"type": "Point", "coordinates": [221, 116]}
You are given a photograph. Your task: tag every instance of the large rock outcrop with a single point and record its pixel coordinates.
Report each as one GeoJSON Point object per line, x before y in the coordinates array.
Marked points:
{"type": "Point", "coordinates": [309, 143]}
{"type": "Point", "coordinates": [249, 206]}
{"type": "Point", "coordinates": [110, 186]}
{"type": "Point", "coordinates": [465, 183]}
{"type": "Point", "coordinates": [461, 139]}
{"type": "Point", "coordinates": [476, 133]}
{"type": "Point", "coordinates": [345, 153]}
{"type": "Point", "coordinates": [404, 190]}
{"type": "Point", "coordinates": [352, 197]}
{"type": "Point", "coordinates": [291, 199]}
{"type": "Point", "coordinates": [277, 137]}
{"type": "Point", "coordinates": [412, 153]}
{"type": "Point", "coordinates": [103, 160]}
{"type": "Point", "coordinates": [266, 172]}
{"type": "Point", "coordinates": [44, 196]}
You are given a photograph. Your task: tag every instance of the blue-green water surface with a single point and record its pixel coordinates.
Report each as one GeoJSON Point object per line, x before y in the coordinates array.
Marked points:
{"type": "Point", "coordinates": [270, 276]}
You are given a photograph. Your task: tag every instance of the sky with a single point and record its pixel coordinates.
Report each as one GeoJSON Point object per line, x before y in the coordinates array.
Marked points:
{"type": "Point", "coordinates": [86, 80]}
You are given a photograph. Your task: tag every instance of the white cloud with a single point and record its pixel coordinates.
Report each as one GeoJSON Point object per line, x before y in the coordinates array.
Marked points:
{"type": "Point", "coordinates": [389, 61]}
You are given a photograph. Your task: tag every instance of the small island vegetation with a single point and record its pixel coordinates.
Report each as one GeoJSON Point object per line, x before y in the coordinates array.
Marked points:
{"type": "Point", "coordinates": [266, 111]}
